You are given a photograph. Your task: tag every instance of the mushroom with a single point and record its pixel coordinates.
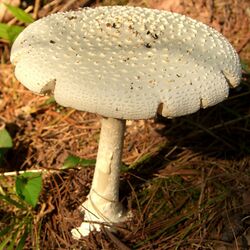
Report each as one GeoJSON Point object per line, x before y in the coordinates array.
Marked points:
{"type": "Point", "coordinates": [123, 63]}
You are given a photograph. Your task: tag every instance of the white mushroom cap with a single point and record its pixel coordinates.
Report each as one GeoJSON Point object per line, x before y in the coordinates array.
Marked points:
{"type": "Point", "coordinates": [126, 62]}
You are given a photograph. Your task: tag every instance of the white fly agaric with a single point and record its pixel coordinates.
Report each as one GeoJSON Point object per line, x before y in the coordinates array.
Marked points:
{"type": "Point", "coordinates": [123, 63]}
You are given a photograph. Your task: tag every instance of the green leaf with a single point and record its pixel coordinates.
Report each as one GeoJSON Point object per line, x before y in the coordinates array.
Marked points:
{"type": "Point", "coordinates": [22, 241]}
{"type": "Point", "coordinates": [10, 32]}
{"type": "Point", "coordinates": [29, 186]}
{"type": "Point", "coordinates": [5, 143]}
{"type": "Point", "coordinates": [73, 161]}
{"type": "Point", "coordinates": [5, 139]}
{"type": "Point", "coordinates": [5, 242]}
{"type": "Point", "coordinates": [19, 14]}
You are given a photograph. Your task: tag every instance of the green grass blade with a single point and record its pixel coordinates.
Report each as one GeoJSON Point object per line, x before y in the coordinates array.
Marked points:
{"type": "Point", "coordinates": [5, 242]}
{"type": "Point", "coordinates": [23, 238]}
{"type": "Point", "coordinates": [19, 14]}
{"type": "Point", "coordinates": [10, 32]}
{"type": "Point", "coordinates": [12, 241]}
{"type": "Point", "coordinates": [11, 201]}
{"type": "Point", "coordinates": [6, 230]}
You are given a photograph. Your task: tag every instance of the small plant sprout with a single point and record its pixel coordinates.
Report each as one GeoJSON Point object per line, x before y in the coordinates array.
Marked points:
{"type": "Point", "coordinates": [15, 230]}
{"type": "Point", "coordinates": [123, 63]}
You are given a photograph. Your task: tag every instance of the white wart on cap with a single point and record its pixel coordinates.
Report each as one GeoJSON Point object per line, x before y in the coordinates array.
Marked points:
{"type": "Point", "coordinates": [126, 62]}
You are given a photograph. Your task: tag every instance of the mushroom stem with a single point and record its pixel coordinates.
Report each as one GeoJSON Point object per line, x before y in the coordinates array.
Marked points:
{"type": "Point", "coordinates": [102, 205]}
{"type": "Point", "coordinates": [105, 185]}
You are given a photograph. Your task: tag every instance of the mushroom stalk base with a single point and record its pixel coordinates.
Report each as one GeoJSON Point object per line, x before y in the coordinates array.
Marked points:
{"type": "Point", "coordinates": [102, 206]}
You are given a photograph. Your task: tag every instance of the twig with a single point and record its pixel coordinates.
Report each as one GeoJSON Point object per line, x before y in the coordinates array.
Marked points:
{"type": "Point", "coordinates": [36, 8]}
{"type": "Point", "coordinates": [118, 243]}
{"type": "Point", "coordinates": [15, 173]}
{"type": "Point", "coordinates": [243, 44]}
{"type": "Point", "coordinates": [211, 9]}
